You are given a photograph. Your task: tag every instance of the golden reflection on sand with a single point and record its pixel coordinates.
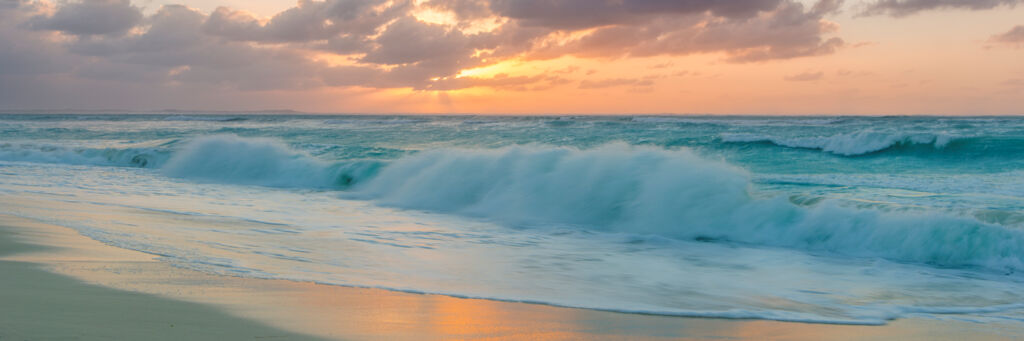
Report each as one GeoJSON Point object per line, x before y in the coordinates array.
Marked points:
{"type": "Point", "coordinates": [360, 313]}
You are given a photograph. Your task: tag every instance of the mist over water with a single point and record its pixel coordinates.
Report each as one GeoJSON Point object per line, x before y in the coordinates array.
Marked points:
{"type": "Point", "coordinates": [818, 219]}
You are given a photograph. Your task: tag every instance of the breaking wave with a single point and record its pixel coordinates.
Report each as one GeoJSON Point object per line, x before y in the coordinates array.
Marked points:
{"type": "Point", "coordinates": [614, 188]}
{"type": "Point", "coordinates": [257, 161]}
{"type": "Point", "coordinates": [675, 194]}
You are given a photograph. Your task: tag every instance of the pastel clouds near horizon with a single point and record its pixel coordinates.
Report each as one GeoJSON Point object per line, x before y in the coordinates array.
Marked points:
{"type": "Point", "coordinates": [515, 56]}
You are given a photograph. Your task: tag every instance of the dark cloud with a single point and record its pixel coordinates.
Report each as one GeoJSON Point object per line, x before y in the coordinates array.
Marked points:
{"type": "Point", "coordinates": [174, 49]}
{"type": "Point", "coordinates": [788, 31]}
{"type": "Point", "coordinates": [509, 40]}
{"type": "Point", "coordinates": [381, 44]}
{"type": "Point", "coordinates": [10, 4]}
{"type": "Point", "coordinates": [27, 53]}
{"type": "Point", "coordinates": [172, 39]}
{"type": "Point", "coordinates": [409, 41]}
{"type": "Point", "coordinates": [1014, 36]}
{"type": "Point", "coordinates": [309, 21]}
{"type": "Point", "coordinates": [91, 17]}
{"type": "Point", "coordinates": [898, 8]}
{"type": "Point", "coordinates": [576, 14]}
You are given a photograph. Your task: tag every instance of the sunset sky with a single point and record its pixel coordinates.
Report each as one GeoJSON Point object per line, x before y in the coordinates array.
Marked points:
{"type": "Point", "coordinates": [516, 56]}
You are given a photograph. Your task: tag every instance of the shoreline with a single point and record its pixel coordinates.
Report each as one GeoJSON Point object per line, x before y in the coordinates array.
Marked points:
{"type": "Point", "coordinates": [64, 284]}
{"type": "Point", "coordinates": [41, 303]}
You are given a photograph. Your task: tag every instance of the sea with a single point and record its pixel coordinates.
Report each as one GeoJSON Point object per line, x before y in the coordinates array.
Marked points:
{"type": "Point", "coordinates": [817, 219]}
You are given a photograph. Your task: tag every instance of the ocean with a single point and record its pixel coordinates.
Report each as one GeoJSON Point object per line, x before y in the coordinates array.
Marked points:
{"type": "Point", "coordinates": [845, 220]}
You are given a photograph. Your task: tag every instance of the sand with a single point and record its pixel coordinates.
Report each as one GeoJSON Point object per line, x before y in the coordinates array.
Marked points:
{"type": "Point", "coordinates": [39, 305]}
{"type": "Point", "coordinates": [57, 284]}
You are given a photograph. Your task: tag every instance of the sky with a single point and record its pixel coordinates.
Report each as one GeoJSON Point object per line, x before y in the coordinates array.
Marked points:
{"type": "Point", "coordinates": [793, 57]}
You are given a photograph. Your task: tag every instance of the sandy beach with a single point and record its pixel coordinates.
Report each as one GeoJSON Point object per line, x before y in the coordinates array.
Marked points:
{"type": "Point", "coordinates": [511, 170]}
{"type": "Point", "coordinates": [58, 284]}
{"type": "Point", "coordinates": [43, 305]}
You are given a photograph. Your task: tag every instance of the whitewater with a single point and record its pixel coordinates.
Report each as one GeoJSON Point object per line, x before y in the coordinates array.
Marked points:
{"type": "Point", "coordinates": [849, 220]}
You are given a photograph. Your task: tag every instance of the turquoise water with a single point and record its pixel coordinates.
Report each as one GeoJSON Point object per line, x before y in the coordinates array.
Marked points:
{"type": "Point", "coordinates": [818, 219]}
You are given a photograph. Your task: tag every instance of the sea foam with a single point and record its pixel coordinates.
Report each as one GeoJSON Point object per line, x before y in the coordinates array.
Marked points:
{"type": "Point", "coordinates": [675, 194]}
{"type": "Point", "coordinates": [259, 161]}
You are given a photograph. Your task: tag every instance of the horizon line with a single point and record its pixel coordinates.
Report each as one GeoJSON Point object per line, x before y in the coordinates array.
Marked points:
{"type": "Point", "coordinates": [314, 113]}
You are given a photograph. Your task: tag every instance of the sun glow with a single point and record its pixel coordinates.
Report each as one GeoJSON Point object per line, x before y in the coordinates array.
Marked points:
{"type": "Point", "coordinates": [433, 16]}
{"type": "Point", "coordinates": [489, 71]}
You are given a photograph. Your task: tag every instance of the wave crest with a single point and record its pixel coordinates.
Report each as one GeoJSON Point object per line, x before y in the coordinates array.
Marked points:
{"type": "Point", "coordinates": [674, 194]}
{"type": "Point", "coordinates": [123, 157]}
{"type": "Point", "coordinates": [205, 118]}
{"type": "Point", "coordinates": [852, 144]}
{"type": "Point", "coordinates": [258, 161]}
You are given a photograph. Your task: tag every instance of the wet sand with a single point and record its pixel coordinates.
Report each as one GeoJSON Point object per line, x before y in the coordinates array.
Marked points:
{"type": "Point", "coordinates": [57, 284]}
{"type": "Point", "coordinates": [36, 304]}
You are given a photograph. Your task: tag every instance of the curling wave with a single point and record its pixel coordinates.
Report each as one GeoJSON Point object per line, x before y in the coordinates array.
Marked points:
{"type": "Point", "coordinates": [258, 161]}
{"type": "Point", "coordinates": [675, 194]}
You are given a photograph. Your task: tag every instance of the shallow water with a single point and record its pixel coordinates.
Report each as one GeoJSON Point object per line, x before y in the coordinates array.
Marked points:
{"type": "Point", "coordinates": [817, 219]}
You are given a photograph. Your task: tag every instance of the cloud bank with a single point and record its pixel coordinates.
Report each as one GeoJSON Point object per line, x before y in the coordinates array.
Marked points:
{"type": "Point", "coordinates": [899, 8]}
{"type": "Point", "coordinates": [388, 44]}
{"type": "Point", "coordinates": [120, 51]}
